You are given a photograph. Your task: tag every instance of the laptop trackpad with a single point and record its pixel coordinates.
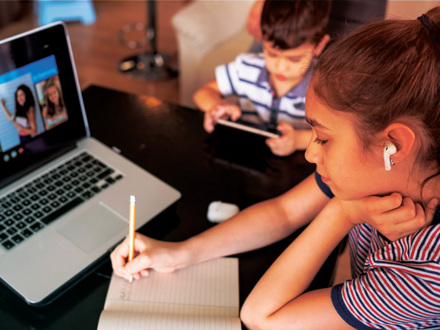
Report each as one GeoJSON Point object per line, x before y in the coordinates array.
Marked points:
{"type": "Point", "coordinates": [93, 227]}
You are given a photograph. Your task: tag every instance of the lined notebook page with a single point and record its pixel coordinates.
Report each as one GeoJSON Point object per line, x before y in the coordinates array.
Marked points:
{"type": "Point", "coordinates": [202, 296]}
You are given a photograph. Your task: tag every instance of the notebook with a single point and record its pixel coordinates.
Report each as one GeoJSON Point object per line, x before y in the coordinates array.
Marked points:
{"type": "Point", "coordinates": [203, 296]}
{"type": "Point", "coordinates": [64, 196]}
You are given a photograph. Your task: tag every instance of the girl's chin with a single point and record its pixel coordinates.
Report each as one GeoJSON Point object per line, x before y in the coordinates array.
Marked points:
{"type": "Point", "coordinates": [346, 196]}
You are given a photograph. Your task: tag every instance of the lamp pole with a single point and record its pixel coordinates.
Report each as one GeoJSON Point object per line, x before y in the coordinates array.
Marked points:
{"type": "Point", "coordinates": [149, 65]}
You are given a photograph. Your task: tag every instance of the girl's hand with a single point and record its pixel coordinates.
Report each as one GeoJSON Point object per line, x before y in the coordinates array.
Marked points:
{"type": "Point", "coordinates": [17, 125]}
{"type": "Point", "coordinates": [393, 216]}
{"type": "Point", "coordinates": [286, 143]}
{"type": "Point", "coordinates": [223, 111]}
{"type": "Point", "coordinates": [3, 101]}
{"type": "Point", "coordinates": [148, 254]}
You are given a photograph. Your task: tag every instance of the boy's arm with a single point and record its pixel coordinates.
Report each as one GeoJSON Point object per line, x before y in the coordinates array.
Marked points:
{"type": "Point", "coordinates": [302, 138]}
{"type": "Point", "coordinates": [290, 141]}
{"type": "Point", "coordinates": [208, 96]}
{"type": "Point", "coordinates": [210, 100]}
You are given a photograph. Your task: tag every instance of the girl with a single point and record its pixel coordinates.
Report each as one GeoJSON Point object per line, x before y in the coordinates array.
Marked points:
{"type": "Point", "coordinates": [24, 115]}
{"type": "Point", "coordinates": [373, 104]}
{"type": "Point", "coordinates": [54, 112]}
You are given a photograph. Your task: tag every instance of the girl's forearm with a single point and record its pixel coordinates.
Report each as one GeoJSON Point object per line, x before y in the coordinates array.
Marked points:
{"type": "Point", "coordinates": [7, 114]}
{"type": "Point", "coordinates": [293, 271]}
{"type": "Point", "coordinates": [261, 224]}
{"type": "Point", "coordinates": [252, 228]}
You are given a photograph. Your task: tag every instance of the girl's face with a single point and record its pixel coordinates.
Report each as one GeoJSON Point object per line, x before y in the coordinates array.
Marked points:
{"type": "Point", "coordinates": [350, 171]}
{"type": "Point", "coordinates": [21, 97]}
{"type": "Point", "coordinates": [287, 65]}
{"type": "Point", "coordinates": [52, 94]}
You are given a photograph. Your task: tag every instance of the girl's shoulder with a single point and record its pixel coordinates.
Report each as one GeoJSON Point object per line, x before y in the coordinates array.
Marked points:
{"type": "Point", "coordinates": [420, 247]}
{"type": "Point", "coordinates": [426, 238]}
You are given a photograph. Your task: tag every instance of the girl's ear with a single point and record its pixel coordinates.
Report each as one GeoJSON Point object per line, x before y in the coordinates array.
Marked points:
{"type": "Point", "coordinates": [403, 137]}
{"type": "Point", "coordinates": [320, 47]}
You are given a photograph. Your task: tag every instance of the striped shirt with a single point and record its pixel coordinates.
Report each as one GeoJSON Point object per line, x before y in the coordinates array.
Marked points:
{"type": "Point", "coordinates": [248, 79]}
{"type": "Point", "coordinates": [396, 285]}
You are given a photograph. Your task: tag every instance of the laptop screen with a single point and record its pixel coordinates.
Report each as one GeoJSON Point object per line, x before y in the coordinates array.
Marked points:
{"type": "Point", "coordinates": [40, 109]}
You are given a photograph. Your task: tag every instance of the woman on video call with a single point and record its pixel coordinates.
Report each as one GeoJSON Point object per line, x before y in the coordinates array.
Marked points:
{"type": "Point", "coordinates": [24, 114]}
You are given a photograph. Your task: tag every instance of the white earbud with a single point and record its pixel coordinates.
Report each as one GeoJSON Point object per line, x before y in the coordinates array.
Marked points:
{"type": "Point", "coordinates": [390, 149]}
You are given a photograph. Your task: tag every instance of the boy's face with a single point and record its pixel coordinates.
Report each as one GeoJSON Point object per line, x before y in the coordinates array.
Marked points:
{"type": "Point", "coordinates": [288, 65]}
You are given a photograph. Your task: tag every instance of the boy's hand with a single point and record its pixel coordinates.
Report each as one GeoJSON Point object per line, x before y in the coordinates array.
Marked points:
{"type": "Point", "coordinates": [393, 216]}
{"type": "Point", "coordinates": [286, 143]}
{"type": "Point", "coordinates": [223, 111]}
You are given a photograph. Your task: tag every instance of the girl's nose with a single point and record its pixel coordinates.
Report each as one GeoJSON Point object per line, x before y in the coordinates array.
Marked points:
{"type": "Point", "coordinates": [312, 153]}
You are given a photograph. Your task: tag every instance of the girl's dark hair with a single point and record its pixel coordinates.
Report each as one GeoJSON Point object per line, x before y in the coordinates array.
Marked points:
{"type": "Point", "coordinates": [21, 111]}
{"type": "Point", "coordinates": [49, 104]}
{"type": "Point", "coordinates": [291, 23]}
{"type": "Point", "coordinates": [386, 72]}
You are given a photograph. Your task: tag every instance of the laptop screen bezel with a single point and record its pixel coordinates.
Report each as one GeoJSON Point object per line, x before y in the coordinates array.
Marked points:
{"type": "Point", "coordinates": [22, 50]}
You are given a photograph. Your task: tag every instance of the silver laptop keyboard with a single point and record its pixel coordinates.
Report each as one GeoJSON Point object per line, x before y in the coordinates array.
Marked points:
{"type": "Point", "coordinates": [38, 203]}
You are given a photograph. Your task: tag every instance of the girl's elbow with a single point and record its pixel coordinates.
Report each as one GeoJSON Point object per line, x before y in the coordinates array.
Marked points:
{"type": "Point", "coordinates": [250, 317]}
{"type": "Point", "coordinates": [247, 320]}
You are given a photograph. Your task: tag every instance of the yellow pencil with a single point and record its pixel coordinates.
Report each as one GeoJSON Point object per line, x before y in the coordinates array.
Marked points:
{"type": "Point", "coordinates": [131, 229]}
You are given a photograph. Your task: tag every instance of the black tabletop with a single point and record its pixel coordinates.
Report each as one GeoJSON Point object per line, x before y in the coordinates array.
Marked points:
{"type": "Point", "coordinates": [168, 140]}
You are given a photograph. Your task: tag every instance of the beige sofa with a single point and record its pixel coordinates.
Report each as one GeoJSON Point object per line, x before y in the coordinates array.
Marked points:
{"type": "Point", "coordinates": [209, 33]}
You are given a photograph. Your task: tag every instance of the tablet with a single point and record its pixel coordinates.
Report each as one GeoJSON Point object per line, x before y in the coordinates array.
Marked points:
{"type": "Point", "coordinates": [260, 129]}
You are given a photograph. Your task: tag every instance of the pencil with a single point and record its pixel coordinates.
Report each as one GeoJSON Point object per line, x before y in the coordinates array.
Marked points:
{"type": "Point", "coordinates": [131, 227]}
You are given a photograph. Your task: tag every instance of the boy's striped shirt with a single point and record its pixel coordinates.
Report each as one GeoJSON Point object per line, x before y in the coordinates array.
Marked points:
{"type": "Point", "coordinates": [247, 78]}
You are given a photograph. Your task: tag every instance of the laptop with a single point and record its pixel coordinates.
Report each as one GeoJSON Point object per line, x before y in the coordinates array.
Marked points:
{"type": "Point", "coordinates": [64, 196]}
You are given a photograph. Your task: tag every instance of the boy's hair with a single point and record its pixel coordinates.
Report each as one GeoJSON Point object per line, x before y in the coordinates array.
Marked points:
{"type": "Point", "coordinates": [291, 23]}
{"type": "Point", "coordinates": [386, 72]}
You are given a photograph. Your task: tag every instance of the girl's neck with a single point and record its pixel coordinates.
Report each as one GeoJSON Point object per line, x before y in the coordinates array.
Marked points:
{"type": "Point", "coordinates": [420, 190]}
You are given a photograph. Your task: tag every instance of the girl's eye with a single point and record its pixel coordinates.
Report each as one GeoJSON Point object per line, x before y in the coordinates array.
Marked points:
{"type": "Point", "coordinates": [319, 141]}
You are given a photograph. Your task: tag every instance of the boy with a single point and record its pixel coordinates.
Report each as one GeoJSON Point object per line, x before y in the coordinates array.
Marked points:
{"type": "Point", "coordinates": [271, 87]}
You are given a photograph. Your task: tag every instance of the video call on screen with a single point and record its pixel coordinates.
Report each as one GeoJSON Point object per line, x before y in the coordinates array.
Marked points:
{"type": "Point", "coordinates": [33, 97]}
